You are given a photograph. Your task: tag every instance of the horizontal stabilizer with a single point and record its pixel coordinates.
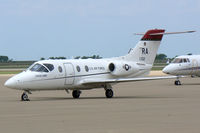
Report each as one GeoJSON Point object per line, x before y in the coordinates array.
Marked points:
{"type": "Point", "coordinates": [166, 33]}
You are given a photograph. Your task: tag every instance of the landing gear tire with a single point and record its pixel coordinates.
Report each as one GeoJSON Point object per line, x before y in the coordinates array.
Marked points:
{"type": "Point", "coordinates": [109, 93]}
{"type": "Point", "coordinates": [76, 93]}
{"type": "Point", "coordinates": [24, 97]}
{"type": "Point", "coordinates": [177, 82]}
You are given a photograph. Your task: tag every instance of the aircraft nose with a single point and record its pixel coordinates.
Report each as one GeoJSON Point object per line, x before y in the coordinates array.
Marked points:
{"type": "Point", "coordinates": [10, 83]}
{"type": "Point", "coordinates": [166, 70]}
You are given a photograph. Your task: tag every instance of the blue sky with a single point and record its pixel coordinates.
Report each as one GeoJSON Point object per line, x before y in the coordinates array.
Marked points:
{"type": "Point", "coordinates": [31, 29]}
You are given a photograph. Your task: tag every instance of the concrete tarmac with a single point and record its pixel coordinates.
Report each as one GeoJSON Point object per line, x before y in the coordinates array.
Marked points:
{"type": "Point", "coordinates": [137, 107]}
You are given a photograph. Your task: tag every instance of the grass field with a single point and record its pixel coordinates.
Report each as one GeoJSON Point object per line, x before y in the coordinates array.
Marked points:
{"type": "Point", "coordinates": [16, 64]}
{"type": "Point", "coordinates": [10, 72]}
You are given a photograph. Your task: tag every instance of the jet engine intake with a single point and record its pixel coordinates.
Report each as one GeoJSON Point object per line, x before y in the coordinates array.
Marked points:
{"type": "Point", "coordinates": [122, 68]}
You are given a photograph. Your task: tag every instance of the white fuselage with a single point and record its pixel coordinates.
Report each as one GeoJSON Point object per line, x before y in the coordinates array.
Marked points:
{"type": "Point", "coordinates": [69, 74]}
{"type": "Point", "coordinates": [184, 65]}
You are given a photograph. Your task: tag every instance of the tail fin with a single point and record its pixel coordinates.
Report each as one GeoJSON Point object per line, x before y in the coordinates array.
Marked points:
{"type": "Point", "coordinates": [146, 49]}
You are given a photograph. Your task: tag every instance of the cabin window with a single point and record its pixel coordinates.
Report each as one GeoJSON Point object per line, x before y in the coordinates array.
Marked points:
{"type": "Point", "coordinates": [177, 60]}
{"type": "Point", "coordinates": [78, 68]}
{"type": "Point", "coordinates": [60, 69]}
{"type": "Point", "coordinates": [38, 68]}
{"type": "Point", "coordinates": [184, 60]}
{"type": "Point", "coordinates": [86, 68]}
{"type": "Point", "coordinates": [49, 66]}
{"type": "Point", "coordinates": [180, 60]}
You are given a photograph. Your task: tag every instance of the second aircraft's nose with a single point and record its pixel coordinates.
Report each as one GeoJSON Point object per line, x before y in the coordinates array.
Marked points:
{"type": "Point", "coordinates": [166, 70]}
{"type": "Point", "coordinates": [10, 83]}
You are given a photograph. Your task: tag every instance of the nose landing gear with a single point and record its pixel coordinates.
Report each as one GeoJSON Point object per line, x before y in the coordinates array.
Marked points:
{"type": "Point", "coordinates": [177, 81]}
{"type": "Point", "coordinates": [24, 97]}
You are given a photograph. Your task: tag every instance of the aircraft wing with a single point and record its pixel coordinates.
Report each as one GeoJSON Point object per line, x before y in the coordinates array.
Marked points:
{"type": "Point", "coordinates": [99, 81]}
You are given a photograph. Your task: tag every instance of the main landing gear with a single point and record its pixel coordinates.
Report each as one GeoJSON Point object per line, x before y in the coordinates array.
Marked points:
{"type": "Point", "coordinates": [108, 91]}
{"type": "Point", "coordinates": [76, 93]}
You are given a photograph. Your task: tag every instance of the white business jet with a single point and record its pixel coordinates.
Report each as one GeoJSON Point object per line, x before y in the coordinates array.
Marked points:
{"type": "Point", "coordinates": [184, 65]}
{"type": "Point", "coordinates": [83, 74]}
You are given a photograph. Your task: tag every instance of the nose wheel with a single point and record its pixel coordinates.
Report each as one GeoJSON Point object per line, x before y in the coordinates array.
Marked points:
{"type": "Point", "coordinates": [24, 97]}
{"type": "Point", "coordinates": [177, 82]}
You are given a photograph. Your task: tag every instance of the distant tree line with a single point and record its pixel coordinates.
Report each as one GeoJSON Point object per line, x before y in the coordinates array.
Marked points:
{"type": "Point", "coordinates": [162, 58]}
{"type": "Point", "coordinates": [88, 57]}
{"type": "Point", "coordinates": [4, 59]}
{"type": "Point", "coordinates": [54, 58]}
{"type": "Point", "coordinates": [77, 57]}
{"type": "Point", "coordinates": [159, 58]}
{"type": "Point", "coordinates": [61, 57]}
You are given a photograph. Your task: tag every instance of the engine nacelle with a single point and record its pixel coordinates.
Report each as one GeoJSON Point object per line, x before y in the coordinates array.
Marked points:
{"type": "Point", "coordinates": [119, 68]}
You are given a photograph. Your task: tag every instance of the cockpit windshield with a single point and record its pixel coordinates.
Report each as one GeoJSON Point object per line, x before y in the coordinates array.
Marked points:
{"type": "Point", "coordinates": [180, 60]}
{"type": "Point", "coordinates": [49, 66]}
{"type": "Point", "coordinates": [38, 68]}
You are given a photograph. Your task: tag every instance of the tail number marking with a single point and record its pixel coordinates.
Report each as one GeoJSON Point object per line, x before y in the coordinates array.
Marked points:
{"type": "Point", "coordinates": [145, 51]}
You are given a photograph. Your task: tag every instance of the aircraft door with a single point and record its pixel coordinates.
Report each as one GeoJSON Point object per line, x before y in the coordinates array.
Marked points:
{"type": "Point", "coordinates": [194, 66]}
{"type": "Point", "coordinates": [69, 73]}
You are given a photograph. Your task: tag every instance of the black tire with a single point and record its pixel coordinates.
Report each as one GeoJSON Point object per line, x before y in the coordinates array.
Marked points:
{"type": "Point", "coordinates": [76, 93]}
{"type": "Point", "coordinates": [24, 97]}
{"type": "Point", "coordinates": [177, 82]}
{"type": "Point", "coordinates": [109, 93]}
